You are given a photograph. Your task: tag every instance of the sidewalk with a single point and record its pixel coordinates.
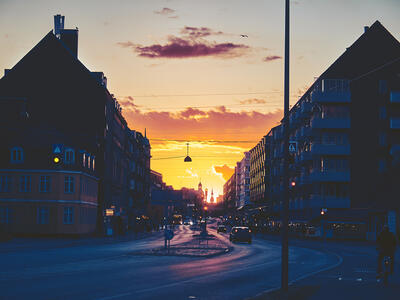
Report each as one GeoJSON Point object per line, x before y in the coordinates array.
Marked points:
{"type": "Point", "coordinates": [354, 278]}
{"type": "Point", "coordinates": [40, 243]}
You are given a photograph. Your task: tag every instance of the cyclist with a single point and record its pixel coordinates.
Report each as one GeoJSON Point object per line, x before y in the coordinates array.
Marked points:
{"type": "Point", "coordinates": [386, 246]}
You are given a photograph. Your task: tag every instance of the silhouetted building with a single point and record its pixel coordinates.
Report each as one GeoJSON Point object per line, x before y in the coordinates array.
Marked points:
{"type": "Point", "coordinates": [230, 192]}
{"type": "Point", "coordinates": [61, 95]}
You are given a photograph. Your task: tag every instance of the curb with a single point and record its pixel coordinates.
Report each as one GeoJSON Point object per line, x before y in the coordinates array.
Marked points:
{"type": "Point", "coordinates": [150, 253]}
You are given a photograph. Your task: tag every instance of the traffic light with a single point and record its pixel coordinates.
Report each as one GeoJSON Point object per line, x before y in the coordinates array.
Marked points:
{"type": "Point", "coordinates": [56, 159]}
{"type": "Point", "coordinates": [293, 183]}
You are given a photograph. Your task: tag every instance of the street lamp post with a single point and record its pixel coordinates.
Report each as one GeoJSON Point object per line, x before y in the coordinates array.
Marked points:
{"type": "Point", "coordinates": [285, 215]}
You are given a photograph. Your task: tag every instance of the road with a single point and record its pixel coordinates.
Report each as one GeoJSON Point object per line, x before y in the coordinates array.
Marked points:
{"type": "Point", "coordinates": [110, 271]}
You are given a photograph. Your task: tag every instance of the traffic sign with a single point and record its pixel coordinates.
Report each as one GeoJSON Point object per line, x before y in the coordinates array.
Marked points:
{"type": "Point", "coordinates": [58, 148]}
{"type": "Point", "coordinates": [169, 234]}
{"type": "Point", "coordinates": [292, 147]}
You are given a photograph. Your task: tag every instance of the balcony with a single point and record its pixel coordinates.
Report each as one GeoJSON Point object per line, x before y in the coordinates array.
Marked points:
{"type": "Point", "coordinates": [395, 123]}
{"type": "Point", "coordinates": [333, 91]}
{"type": "Point", "coordinates": [305, 132]}
{"type": "Point", "coordinates": [323, 149]}
{"type": "Point", "coordinates": [318, 201]}
{"type": "Point", "coordinates": [330, 176]}
{"type": "Point", "coordinates": [305, 109]}
{"type": "Point", "coordinates": [330, 123]}
{"type": "Point", "coordinates": [304, 179]}
{"type": "Point", "coordinates": [395, 97]}
{"type": "Point", "coordinates": [305, 156]}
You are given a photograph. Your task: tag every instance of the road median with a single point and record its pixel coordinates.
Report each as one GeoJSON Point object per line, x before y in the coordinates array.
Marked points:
{"type": "Point", "coordinates": [199, 246]}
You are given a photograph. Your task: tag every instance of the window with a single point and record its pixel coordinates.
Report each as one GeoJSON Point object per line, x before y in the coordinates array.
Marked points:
{"type": "Point", "coordinates": [25, 184]}
{"type": "Point", "coordinates": [5, 184]}
{"type": "Point", "coordinates": [132, 184]}
{"type": "Point", "coordinates": [382, 139]}
{"type": "Point", "coordinates": [69, 156]}
{"type": "Point", "coordinates": [17, 155]}
{"type": "Point", "coordinates": [5, 215]}
{"type": "Point", "coordinates": [43, 215]}
{"type": "Point", "coordinates": [383, 86]}
{"type": "Point", "coordinates": [44, 184]}
{"type": "Point", "coordinates": [93, 159]}
{"type": "Point", "coordinates": [68, 215]}
{"type": "Point", "coordinates": [69, 184]}
{"type": "Point", "coordinates": [382, 112]}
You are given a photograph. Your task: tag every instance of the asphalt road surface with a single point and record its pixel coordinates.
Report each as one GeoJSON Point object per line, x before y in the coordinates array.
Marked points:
{"type": "Point", "coordinates": [108, 271]}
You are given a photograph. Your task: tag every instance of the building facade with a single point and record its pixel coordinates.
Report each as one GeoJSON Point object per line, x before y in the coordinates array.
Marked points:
{"type": "Point", "coordinates": [54, 91]}
{"type": "Point", "coordinates": [230, 193]}
{"type": "Point", "coordinates": [344, 138]}
{"type": "Point", "coordinates": [243, 181]}
{"type": "Point", "coordinates": [259, 172]}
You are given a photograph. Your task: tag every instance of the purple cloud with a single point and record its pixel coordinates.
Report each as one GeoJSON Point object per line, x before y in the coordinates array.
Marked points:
{"type": "Point", "coordinates": [271, 58]}
{"type": "Point", "coordinates": [199, 32]}
{"type": "Point", "coordinates": [165, 11]}
{"type": "Point", "coordinates": [187, 47]}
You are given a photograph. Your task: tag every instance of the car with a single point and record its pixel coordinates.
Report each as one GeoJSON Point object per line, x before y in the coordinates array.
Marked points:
{"type": "Point", "coordinates": [221, 228]}
{"type": "Point", "coordinates": [240, 234]}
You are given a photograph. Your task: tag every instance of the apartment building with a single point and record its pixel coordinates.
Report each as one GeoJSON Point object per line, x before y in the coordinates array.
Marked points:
{"type": "Point", "coordinates": [259, 172]}
{"type": "Point", "coordinates": [335, 130]}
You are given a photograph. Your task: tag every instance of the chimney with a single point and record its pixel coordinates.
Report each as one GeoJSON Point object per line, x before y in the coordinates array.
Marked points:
{"type": "Point", "coordinates": [366, 28]}
{"type": "Point", "coordinates": [58, 24]}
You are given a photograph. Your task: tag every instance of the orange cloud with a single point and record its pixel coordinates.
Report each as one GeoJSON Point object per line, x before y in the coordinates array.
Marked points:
{"type": "Point", "coordinates": [225, 171]}
{"type": "Point", "coordinates": [193, 124]}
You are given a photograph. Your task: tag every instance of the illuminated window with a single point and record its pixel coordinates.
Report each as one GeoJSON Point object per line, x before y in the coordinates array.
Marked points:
{"type": "Point", "coordinates": [17, 155]}
{"type": "Point", "coordinates": [25, 183]}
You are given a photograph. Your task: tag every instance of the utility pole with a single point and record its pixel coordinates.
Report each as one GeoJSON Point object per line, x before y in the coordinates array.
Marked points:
{"type": "Point", "coordinates": [285, 215]}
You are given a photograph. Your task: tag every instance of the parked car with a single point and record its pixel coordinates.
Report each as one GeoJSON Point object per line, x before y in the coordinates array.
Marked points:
{"type": "Point", "coordinates": [221, 228]}
{"type": "Point", "coordinates": [240, 234]}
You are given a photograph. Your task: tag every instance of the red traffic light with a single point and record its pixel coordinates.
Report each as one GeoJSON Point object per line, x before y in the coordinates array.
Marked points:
{"type": "Point", "coordinates": [293, 183]}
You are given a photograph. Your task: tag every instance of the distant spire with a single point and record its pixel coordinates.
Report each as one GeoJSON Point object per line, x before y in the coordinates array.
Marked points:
{"type": "Point", "coordinates": [145, 134]}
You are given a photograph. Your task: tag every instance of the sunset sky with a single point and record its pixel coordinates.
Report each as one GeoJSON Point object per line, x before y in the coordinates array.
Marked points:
{"type": "Point", "coordinates": [206, 72]}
